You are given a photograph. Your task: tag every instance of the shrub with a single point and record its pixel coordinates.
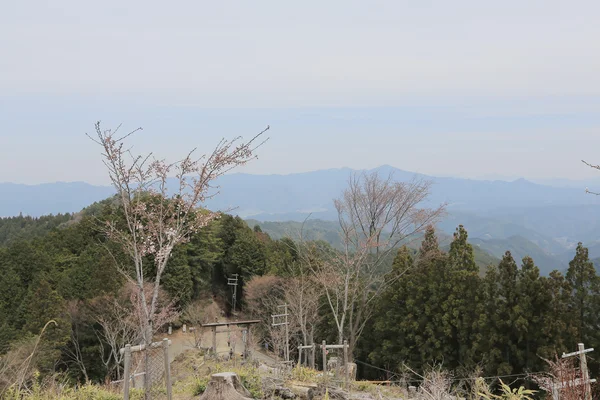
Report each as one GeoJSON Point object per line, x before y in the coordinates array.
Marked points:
{"type": "Point", "coordinates": [200, 386]}
{"type": "Point", "coordinates": [304, 374]}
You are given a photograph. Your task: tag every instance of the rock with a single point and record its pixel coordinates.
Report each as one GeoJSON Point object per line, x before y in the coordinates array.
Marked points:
{"type": "Point", "coordinates": [225, 386]}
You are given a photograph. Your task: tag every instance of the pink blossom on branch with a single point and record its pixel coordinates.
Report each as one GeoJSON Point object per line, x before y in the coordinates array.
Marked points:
{"type": "Point", "coordinates": [157, 219]}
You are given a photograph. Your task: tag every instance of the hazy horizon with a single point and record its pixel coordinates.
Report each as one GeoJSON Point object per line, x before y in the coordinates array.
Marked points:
{"type": "Point", "coordinates": [463, 89]}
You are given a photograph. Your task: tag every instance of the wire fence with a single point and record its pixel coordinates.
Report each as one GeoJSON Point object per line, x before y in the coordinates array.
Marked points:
{"type": "Point", "coordinates": [147, 369]}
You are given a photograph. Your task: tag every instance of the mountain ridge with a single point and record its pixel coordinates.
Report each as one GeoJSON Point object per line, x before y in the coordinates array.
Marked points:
{"type": "Point", "coordinates": [553, 219]}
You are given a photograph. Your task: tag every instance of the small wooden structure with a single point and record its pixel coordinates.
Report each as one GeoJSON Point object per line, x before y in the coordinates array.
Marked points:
{"type": "Point", "coordinates": [310, 359]}
{"type": "Point", "coordinates": [344, 346]}
{"type": "Point", "coordinates": [215, 325]}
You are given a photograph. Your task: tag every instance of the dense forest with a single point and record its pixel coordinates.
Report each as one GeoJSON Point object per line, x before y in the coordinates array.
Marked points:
{"type": "Point", "coordinates": [57, 268]}
{"type": "Point", "coordinates": [438, 308]}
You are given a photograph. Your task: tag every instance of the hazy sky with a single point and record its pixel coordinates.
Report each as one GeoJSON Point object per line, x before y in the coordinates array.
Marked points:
{"type": "Point", "coordinates": [463, 88]}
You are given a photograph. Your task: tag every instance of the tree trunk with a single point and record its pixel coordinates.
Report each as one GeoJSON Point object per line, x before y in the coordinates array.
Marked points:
{"type": "Point", "coordinates": [225, 386]}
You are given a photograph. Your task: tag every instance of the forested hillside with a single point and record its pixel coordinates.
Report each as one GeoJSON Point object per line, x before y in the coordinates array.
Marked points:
{"type": "Point", "coordinates": [26, 227]}
{"type": "Point", "coordinates": [440, 307]}
{"type": "Point", "coordinates": [506, 321]}
{"type": "Point", "coordinates": [52, 270]}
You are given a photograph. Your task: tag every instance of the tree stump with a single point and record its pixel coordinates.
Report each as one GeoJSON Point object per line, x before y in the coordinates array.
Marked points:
{"type": "Point", "coordinates": [225, 386]}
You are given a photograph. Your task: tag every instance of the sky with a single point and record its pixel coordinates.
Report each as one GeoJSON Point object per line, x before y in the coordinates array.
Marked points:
{"type": "Point", "coordinates": [463, 88]}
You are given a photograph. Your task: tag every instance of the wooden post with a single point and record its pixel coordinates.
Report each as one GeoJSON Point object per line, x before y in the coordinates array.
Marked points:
{"type": "Point", "coordinates": [127, 372]}
{"type": "Point", "coordinates": [167, 368]}
{"type": "Point", "coordinates": [312, 355]}
{"type": "Point", "coordinates": [584, 372]}
{"type": "Point", "coordinates": [247, 355]}
{"type": "Point", "coordinates": [346, 372]}
{"type": "Point", "coordinates": [324, 358]}
{"type": "Point", "coordinates": [244, 340]}
{"type": "Point", "coordinates": [287, 335]}
{"type": "Point", "coordinates": [214, 342]}
{"type": "Point", "coordinates": [300, 354]}
{"type": "Point", "coordinates": [147, 375]}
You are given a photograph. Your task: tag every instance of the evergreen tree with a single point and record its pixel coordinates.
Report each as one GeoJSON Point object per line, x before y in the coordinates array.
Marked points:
{"type": "Point", "coordinates": [556, 330]}
{"type": "Point", "coordinates": [43, 304]}
{"type": "Point", "coordinates": [585, 296]}
{"type": "Point", "coordinates": [508, 313]}
{"type": "Point", "coordinates": [246, 256]}
{"type": "Point", "coordinates": [463, 302]}
{"type": "Point", "coordinates": [532, 304]}
{"type": "Point", "coordinates": [430, 291]}
{"type": "Point", "coordinates": [409, 323]}
{"type": "Point", "coordinates": [204, 251]}
{"type": "Point", "coordinates": [489, 346]}
{"type": "Point", "coordinates": [177, 278]}
{"type": "Point", "coordinates": [392, 338]}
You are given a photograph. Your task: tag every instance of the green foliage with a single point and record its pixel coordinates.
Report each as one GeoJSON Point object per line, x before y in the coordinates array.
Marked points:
{"type": "Point", "coordinates": [249, 376]}
{"type": "Point", "coordinates": [14, 228]}
{"type": "Point", "coordinates": [510, 394]}
{"type": "Point", "coordinates": [585, 286]}
{"type": "Point", "coordinates": [305, 374]}
{"type": "Point", "coordinates": [441, 311]}
{"type": "Point", "coordinates": [41, 305]}
{"type": "Point", "coordinates": [463, 302]}
{"type": "Point", "coordinates": [200, 385]}
{"type": "Point", "coordinates": [177, 279]}
{"type": "Point", "coordinates": [438, 308]}
{"type": "Point", "coordinates": [62, 392]}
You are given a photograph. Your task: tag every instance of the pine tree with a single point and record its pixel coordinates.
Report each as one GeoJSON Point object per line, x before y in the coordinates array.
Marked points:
{"type": "Point", "coordinates": [43, 304]}
{"type": "Point", "coordinates": [489, 346]}
{"type": "Point", "coordinates": [585, 295]}
{"type": "Point", "coordinates": [177, 278]}
{"type": "Point", "coordinates": [204, 252]}
{"type": "Point", "coordinates": [430, 292]}
{"type": "Point", "coordinates": [463, 303]}
{"type": "Point", "coordinates": [391, 340]}
{"type": "Point", "coordinates": [507, 305]}
{"type": "Point", "coordinates": [532, 306]}
{"type": "Point", "coordinates": [556, 330]}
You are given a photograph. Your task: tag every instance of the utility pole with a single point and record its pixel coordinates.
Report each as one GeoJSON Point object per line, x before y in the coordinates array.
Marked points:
{"type": "Point", "coordinates": [233, 282]}
{"type": "Point", "coordinates": [585, 378]}
{"type": "Point", "coordinates": [287, 334]}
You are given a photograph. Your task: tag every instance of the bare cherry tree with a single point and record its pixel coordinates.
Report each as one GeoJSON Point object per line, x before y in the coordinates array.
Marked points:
{"type": "Point", "coordinates": [587, 190]}
{"type": "Point", "coordinates": [72, 350]}
{"type": "Point", "coordinates": [564, 379]}
{"type": "Point", "coordinates": [302, 295]}
{"type": "Point", "coordinates": [158, 217]}
{"type": "Point", "coordinates": [264, 294]}
{"type": "Point", "coordinates": [196, 314]}
{"type": "Point", "coordinates": [375, 215]}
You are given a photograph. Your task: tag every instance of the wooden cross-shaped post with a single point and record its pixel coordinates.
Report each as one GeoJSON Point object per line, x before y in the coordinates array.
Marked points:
{"type": "Point", "coordinates": [585, 378]}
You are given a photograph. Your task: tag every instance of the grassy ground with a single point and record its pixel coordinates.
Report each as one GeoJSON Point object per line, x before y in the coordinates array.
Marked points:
{"type": "Point", "coordinates": [191, 372]}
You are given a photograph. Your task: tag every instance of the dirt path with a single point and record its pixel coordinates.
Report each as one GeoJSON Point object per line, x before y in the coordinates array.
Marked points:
{"type": "Point", "coordinates": [181, 342]}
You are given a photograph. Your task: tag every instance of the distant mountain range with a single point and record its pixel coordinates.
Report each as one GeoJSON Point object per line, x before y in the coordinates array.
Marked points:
{"type": "Point", "coordinates": [542, 221]}
{"type": "Point", "coordinates": [49, 198]}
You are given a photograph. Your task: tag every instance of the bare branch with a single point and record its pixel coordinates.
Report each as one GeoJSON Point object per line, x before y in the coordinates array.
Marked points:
{"type": "Point", "coordinates": [156, 219]}
{"type": "Point", "coordinates": [375, 215]}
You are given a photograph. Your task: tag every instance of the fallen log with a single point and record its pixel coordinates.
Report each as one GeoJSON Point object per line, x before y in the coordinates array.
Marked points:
{"type": "Point", "coordinates": [304, 392]}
